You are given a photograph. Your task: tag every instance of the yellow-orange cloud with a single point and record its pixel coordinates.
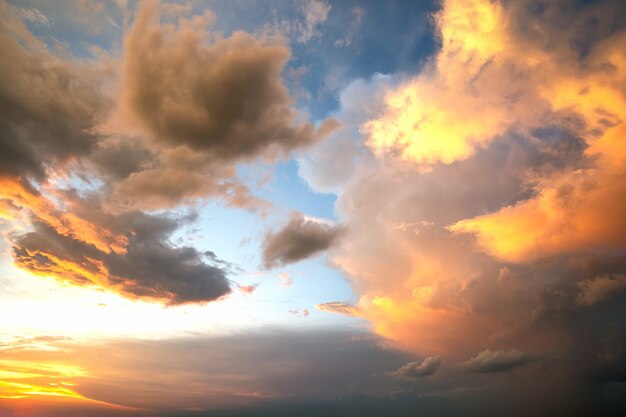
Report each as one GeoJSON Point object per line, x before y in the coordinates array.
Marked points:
{"type": "Point", "coordinates": [438, 116]}
{"type": "Point", "coordinates": [513, 135]}
{"type": "Point", "coordinates": [65, 223]}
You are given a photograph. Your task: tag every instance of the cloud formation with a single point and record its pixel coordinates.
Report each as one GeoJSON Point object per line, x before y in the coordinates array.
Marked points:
{"type": "Point", "coordinates": [599, 288]}
{"type": "Point", "coordinates": [340, 308]}
{"type": "Point", "coordinates": [190, 105]}
{"type": "Point", "coordinates": [299, 239]}
{"type": "Point", "coordinates": [50, 105]}
{"type": "Point", "coordinates": [222, 96]}
{"type": "Point", "coordinates": [148, 267]}
{"type": "Point", "coordinates": [412, 370]}
{"type": "Point", "coordinates": [487, 197]}
{"type": "Point", "coordinates": [489, 361]}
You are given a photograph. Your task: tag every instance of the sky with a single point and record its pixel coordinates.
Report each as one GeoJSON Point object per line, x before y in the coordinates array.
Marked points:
{"type": "Point", "coordinates": [350, 208]}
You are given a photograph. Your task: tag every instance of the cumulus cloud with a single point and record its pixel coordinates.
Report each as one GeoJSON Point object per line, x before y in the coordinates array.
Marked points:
{"type": "Point", "coordinates": [150, 269]}
{"type": "Point", "coordinates": [222, 96]}
{"type": "Point", "coordinates": [489, 361]}
{"type": "Point", "coordinates": [50, 105]}
{"type": "Point", "coordinates": [503, 154]}
{"type": "Point", "coordinates": [201, 102]}
{"type": "Point", "coordinates": [599, 288]}
{"type": "Point", "coordinates": [131, 255]}
{"type": "Point", "coordinates": [299, 239]}
{"type": "Point", "coordinates": [191, 104]}
{"type": "Point", "coordinates": [413, 370]}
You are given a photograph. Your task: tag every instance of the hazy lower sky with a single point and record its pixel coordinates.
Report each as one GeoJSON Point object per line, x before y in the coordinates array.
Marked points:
{"type": "Point", "coordinates": [312, 208]}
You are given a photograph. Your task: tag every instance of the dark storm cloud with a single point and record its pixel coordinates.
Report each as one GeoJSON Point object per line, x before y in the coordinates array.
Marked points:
{"type": "Point", "coordinates": [48, 105]}
{"type": "Point", "coordinates": [149, 266]}
{"type": "Point", "coordinates": [489, 361]}
{"type": "Point", "coordinates": [298, 240]}
{"type": "Point", "coordinates": [223, 96]}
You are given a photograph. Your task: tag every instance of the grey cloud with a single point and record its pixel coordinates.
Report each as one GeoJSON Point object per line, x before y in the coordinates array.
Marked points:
{"type": "Point", "coordinates": [413, 370]}
{"type": "Point", "coordinates": [49, 106]}
{"type": "Point", "coordinates": [203, 103]}
{"type": "Point", "coordinates": [116, 158]}
{"type": "Point", "coordinates": [490, 361]}
{"type": "Point", "coordinates": [225, 371]}
{"type": "Point", "coordinates": [298, 240]}
{"type": "Point", "coordinates": [308, 373]}
{"type": "Point", "coordinates": [150, 268]}
{"type": "Point", "coordinates": [596, 289]}
{"type": "Point", "coordinates": [221, 96]}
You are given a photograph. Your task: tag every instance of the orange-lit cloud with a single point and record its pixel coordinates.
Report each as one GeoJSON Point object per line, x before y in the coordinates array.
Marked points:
{"type": "Point", "coordinates": [65, 223]}
{"type": "Point", "coordinates": [575, 209]}
{"type": "Point", "coordinates": [496, 183]}
{"type": "Point", "coordinates": [440, 115]}
{"type": "Point", "coordinates": [25, 382]}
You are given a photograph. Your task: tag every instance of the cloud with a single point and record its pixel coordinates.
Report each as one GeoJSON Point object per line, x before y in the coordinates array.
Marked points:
{"type": "Point", "coordinates": [34, 15]}
{"type": "Point", "coordinates": [285, 279]}
{"type": "Point", "coordinates": [599, 288]}
{"type": "Point", "coordinates": [50, 104]}
{"type": "Point", "coordinates": [225, 371]}
{"type": "Point", "coordinates": [27, 201]}
{"type": "Point", "coordinates": [296, 312]}
{"type": "Point", "coordinates": [147, 266]}
{"type": "Point", "coordinates": [315, 13]}
{"type": "Point", "coordinates": [357, 18]}
{"type": "Point", "coordinates": [412, 370]}
{"type": "Point", "coordinates": [489, 361]}
{"type": "Point", "coordinates": [248, 289]}
{"type": "Point", "coordinates": [221, 96]}
{"type": "Point", "coordinates": [339, 308]}
{"type": "Point", "coordinates": [200, 103]}
{"type": "Point", "coordinates": [505, 153]}
{"type": "Point", "coordinates": [435, 117]}
{"type": "Point", "coordinates": [299, 239]}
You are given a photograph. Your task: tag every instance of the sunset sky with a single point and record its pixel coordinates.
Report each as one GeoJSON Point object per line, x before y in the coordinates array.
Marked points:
{"type": "Point", "coordinates": [312, 208]}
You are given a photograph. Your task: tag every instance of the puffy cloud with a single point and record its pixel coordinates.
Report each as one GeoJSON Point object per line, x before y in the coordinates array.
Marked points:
{"type": "Point", "coordinates": [490, 184]}
{"type": "Point", "coordinates": [489, 361]}
{"type": "Point", "coordinates": [329, 164]}
{"type": "Point", "coordinates": [438, 116]}
{"type": "Point", "coordinates": [140, 263]}
{"type": "Point", "coordinates": [599, 288]}
{"type": "Point", "coordinates": [202, 103]}
{"type": "Point", "coordinates": [298, 240]}
{"type": "Point", "coordinates": [228, 95]}
{"type": "Point", "coordinates": [26, 200]}
{"type": "Point", "coordinates": [222, 96]}
{"type": "Point", "coordinates": [412, 370]}
{"type": "Point", "coordinates": [50, 105]}
{"type": "Point", "coordinates": [150, 269]}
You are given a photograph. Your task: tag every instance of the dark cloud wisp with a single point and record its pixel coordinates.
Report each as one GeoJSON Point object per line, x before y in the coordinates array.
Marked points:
{"type": "Point", "coordinates": [298, 240]}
